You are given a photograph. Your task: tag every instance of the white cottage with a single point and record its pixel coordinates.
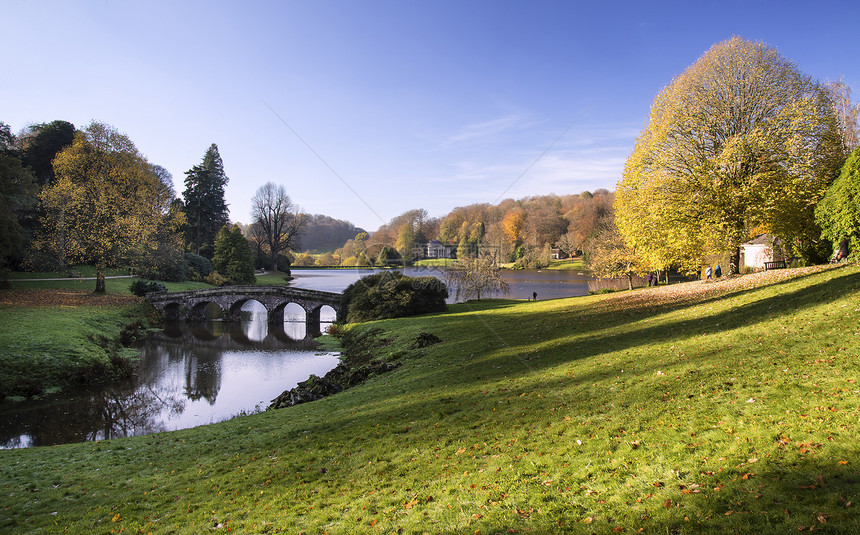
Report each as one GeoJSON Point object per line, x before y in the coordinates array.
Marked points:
{"type": "Point", "coordinates": [762, 252]}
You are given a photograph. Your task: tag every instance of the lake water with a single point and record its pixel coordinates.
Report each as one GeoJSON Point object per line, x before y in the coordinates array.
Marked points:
{"type": "Point", "coordinates": [195, 375]}
{"type": "Point", "coordinates": [187, 376]}
{"type": "Point", "coordinates": [548, 284]}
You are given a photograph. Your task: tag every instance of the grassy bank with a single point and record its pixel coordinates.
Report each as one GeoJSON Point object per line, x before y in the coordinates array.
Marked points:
{"type": "Point", "coordinates": [54, 332]}
{"type": "Point", "coordinates": [52, 339]}
{"type": "Point", "coordinates": [719, 407]}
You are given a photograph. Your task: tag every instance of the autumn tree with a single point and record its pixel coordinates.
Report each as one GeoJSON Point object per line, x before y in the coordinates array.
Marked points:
{"type": "Point", "coordinates": [584, 214]}
{"type": "Point", "coordinates": [512, 224]}
{"type": "Point", "coordinates": [610, 257]}
{"type": "Point", "coordinates": [277, 217]}
{"type": "Point", "coordinates": [838, 213]}
{"type": "Point", "coordinates": [105, 204]}
{"type": "Point", "coordinates": [741, 139]}
{"type": "Point", "coordinates": [205, 208]}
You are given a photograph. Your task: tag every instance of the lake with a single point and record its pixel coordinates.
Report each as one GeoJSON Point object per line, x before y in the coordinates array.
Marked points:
{"type": "Point", "coordinates": [548, 284]}
{"type": "Point", "coordinates": [187, 376]}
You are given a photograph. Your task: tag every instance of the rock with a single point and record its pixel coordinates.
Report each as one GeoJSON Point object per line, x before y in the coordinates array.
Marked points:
{"type": "Point", "coordinates": [424, 340]}
{"type": "Point", "coordinates": [311, 390]}
{"type": "Point", "coordinates": [337, 380]}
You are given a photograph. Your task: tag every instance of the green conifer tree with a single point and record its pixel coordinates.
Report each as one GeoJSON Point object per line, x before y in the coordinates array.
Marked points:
{"type": "Point", "coordinates": [205, 207]}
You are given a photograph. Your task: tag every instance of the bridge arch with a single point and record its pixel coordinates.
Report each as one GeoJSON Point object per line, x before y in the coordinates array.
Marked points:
{"type": "Point", "coordinates": [205, 310]}
{"type": "Point", "coordinates": [174, 311]}
{"type": "Point", "coordinates": [229, 301]}
{"type": "Point", "coordinates": [241, 305]}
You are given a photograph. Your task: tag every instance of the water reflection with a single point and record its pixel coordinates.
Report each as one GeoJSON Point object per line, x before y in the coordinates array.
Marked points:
{"type": "Point", "coordinates": [188, 375]}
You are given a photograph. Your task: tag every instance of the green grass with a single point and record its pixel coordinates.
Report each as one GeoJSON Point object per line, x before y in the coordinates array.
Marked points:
{"type": "Point", "coordinates": [434, 262]}
{"type": "Point", "coordinates": [660, 410]}
{"type": "Point", "coordinates": [271, 278]}
{"type": "Point", "coordinates": [48, 348]}
{"type": "Point", "coordinates": [571, 264]}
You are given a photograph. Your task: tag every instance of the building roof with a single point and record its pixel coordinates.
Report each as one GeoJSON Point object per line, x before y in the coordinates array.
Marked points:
{"type": "Point", "coordinates": [761, 239]}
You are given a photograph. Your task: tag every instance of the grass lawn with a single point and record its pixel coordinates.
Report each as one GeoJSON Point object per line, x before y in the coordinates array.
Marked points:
{"type": "Point", "coordinates": [570, 264]}
{"type": "Point", "coordinates": [273, 278]}
{"type": "Point", "coordinates": [434, 262]}
{"type": "Point", "coordinates": [53, 338]}
{"type": "Point", "coordinates": [717, 407]}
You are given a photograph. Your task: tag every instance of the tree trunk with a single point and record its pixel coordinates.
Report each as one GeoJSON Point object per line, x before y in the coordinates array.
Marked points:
{"type": "Point", "coordinates": [734, 261]}
{"type": "Point", "coordinates": [629, 281]}
{"type": "Point", "coordinates": [100, 280]}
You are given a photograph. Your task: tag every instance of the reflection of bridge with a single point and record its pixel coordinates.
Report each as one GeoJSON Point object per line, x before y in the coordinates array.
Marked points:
{"type": "Point", "coordinates": [192, 305]}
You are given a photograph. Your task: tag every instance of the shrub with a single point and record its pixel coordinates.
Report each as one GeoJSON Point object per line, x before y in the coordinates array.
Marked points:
{"type": "Point", "coordinates": [200, 264]}
{"type": "Point", "coordinates": [216, 279]}
{"type": "Point", "coordinates": [390, 294]}
{"type": "Point", "coordinates": [141, 287]}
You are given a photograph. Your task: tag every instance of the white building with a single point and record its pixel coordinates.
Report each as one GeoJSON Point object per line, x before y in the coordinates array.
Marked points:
{"type": "Point", "coordinates": [761, 252]}
{"type": "Point", "coordinates": [437, 249]}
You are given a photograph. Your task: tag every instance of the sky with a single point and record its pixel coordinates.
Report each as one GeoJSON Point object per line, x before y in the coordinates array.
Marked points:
{"type": "Point", "coordinates": [364, 109]}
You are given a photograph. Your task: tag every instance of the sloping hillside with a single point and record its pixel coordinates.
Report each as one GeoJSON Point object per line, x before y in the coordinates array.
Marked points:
{"type": "Point", "coordinates": [719, 407]}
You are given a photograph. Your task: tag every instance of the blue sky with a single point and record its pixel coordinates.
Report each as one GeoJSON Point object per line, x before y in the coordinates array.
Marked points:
{"type": "Point", "coordinates": [364, 109]}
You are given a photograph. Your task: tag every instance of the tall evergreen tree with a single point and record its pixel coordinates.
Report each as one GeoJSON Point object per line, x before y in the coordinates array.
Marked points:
{"type": "Point", "coordinates": [233, 257]}
{"type": "Point", "coordinates": [41, 144]}
{"type": "Point", "coordinates": [205, 208]}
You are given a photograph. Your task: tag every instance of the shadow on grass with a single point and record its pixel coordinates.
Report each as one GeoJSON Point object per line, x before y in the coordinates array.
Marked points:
{"type": "Point", "coordinates": [590, 340]}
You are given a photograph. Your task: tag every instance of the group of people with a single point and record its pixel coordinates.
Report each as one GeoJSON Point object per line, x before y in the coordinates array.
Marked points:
{"type": "Point", "coordinates": [717, 273]}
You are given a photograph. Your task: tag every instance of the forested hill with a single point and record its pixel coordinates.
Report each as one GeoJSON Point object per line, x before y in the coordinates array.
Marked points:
{"type": "Point", "coordinates": [324, 233]}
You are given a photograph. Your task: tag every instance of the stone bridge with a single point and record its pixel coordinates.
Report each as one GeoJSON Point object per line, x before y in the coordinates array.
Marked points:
{"type": "Point", "coordinates": [191, 305]}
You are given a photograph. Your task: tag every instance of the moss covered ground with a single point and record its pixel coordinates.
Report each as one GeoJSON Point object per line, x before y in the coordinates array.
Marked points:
{"type": "Point", "coordinates": [718, 407]}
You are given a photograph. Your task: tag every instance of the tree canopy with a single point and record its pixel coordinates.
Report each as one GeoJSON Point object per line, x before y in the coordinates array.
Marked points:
{"type": "Point", "coordinates": [17, 194]}
{"type": "Point", "coordinates": [838, 213]}
{"type": "Point", "coordinates": [390, 294]}
{"type": "Point", "coordinates": [741, 140]}
{"type": "Point", "coordinates": [105, 204]}
{"type": "Point", "coordinates": [41, 144]}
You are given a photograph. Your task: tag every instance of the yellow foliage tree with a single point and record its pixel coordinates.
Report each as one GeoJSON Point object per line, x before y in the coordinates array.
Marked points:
{"type": "Point", "coordinates": [740, 139]}
{"type": "Point", "coordinates": [105, 204]}
{"type": "Point", "coordinates": [512, 224]}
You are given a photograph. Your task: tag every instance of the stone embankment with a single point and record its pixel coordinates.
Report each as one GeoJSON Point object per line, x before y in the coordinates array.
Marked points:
{"type": "Point", "coordinates": [359, 363]}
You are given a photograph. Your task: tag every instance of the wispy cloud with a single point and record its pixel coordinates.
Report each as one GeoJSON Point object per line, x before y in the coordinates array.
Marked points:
{"type": "Point", "coordinates": [587, 163]}
{"type": "Point", "coordinates": [489, 132]}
